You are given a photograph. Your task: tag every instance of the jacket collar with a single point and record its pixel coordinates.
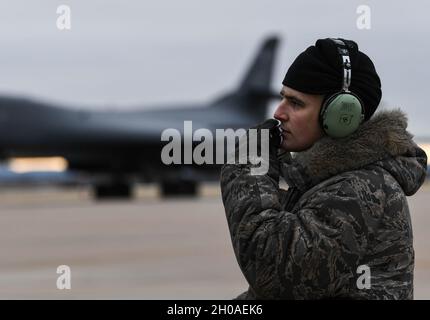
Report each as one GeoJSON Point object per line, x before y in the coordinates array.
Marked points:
{"type": "Point", "coordinates": [383, 136]}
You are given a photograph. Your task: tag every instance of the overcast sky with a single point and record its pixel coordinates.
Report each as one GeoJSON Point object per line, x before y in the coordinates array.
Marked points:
{"type": "Point", "coordinates": [139, 54]}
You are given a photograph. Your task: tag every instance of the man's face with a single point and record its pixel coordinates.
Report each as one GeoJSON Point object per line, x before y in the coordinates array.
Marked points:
{"type": "Point", "coordinates": [299, 113]}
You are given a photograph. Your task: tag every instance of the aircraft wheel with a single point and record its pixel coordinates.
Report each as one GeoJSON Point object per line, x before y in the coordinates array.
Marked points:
{"type": "Point", "coordinates": [178, 188]}
{"type": "Point", "coordinates": [109, 191]}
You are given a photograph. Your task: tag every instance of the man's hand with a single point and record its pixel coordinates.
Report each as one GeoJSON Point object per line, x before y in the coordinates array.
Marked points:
{"type": "Point", "coordinates": [270, 159]}
{"type": "Point", "coordinates": [275, 131]}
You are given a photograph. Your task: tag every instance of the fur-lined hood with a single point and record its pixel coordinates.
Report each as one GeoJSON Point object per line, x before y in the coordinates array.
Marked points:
{"type": "Point", "coordinates": [383, 140]}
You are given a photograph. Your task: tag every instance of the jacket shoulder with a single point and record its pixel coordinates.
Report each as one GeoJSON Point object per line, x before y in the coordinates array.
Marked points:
{"type": "Point", "coordinates": [369, 178]}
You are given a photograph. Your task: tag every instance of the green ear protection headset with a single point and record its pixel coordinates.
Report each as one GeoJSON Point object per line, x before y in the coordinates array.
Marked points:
{"type": "Point", "coordinates": [343, 112]}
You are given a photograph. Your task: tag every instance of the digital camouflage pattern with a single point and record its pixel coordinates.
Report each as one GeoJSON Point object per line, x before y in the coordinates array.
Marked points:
{"type": "Point", "coordinates": [345, 207]}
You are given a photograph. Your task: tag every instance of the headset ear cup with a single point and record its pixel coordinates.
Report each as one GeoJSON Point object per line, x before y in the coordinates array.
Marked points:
{"type": "Point", "coordinates": [325, 110]}
{"type": "Point", "coordinates": [361, 105]}
{"type": "Point", "coordinates": [342, 114]}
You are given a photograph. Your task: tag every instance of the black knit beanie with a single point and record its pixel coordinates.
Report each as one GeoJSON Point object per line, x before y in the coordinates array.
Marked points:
{"type": "Point", "coordinates": [318, 70]}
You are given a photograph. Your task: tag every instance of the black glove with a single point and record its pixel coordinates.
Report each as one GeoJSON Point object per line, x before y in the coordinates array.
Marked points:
{"type": "Point", "coordinates": [275, 141]}
{"type": "Point", "coordinates": [275, 131]}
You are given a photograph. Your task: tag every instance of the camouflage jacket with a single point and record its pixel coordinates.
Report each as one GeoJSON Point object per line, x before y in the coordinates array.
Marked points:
{"type": "Point", "coordinates": [345, 207]}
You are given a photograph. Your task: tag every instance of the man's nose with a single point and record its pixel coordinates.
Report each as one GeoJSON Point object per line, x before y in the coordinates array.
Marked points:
{"type": "Point", "coordinates": [280, 113]}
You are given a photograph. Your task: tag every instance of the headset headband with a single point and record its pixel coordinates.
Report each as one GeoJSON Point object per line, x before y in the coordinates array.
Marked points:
{"type": "Point", "coordinates": [346, 63]}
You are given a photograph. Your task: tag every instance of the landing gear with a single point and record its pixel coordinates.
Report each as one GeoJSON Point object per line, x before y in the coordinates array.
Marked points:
{"type": "Point", "coordinates": [116, 190]}
{"type": "Point", "coordinates": [178, 188]}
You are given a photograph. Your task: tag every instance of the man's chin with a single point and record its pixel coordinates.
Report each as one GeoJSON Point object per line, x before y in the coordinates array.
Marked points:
{"type": "Point", "coordinates": [288, 147]}
{"type": "Point", "coordinates": [293, 148]}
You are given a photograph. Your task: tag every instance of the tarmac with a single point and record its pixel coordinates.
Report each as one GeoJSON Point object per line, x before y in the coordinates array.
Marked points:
{"type": "Point", "coordinates": [147, 248]}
